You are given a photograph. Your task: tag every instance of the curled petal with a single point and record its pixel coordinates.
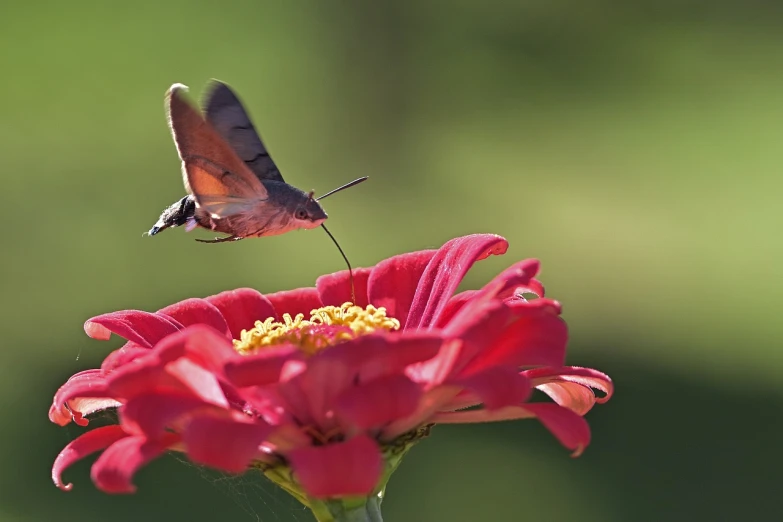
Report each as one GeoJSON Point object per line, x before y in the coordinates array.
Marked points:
{"type": "Point", "coordinates": [143, 328]}
{"type": "Point", "coordinates": [444, 273]}
{"type": "Point", "coordinates": [299, 301]}
{"type": "Point", "coordinates": [350, 468]}
{"type": "Point", "coordinates": [393, 282]}
{"type": "Point", "coordinates": [378, 402]}
{"type": "Point", "coordinates": [89, 384]}
{"type": "Point", "coordinates": [569, 428]}
{"type": "Point", "coordinates": [90, 442]}
{"type": "Point", "coordinates": [241, 308]}
{"type": "Point", "coordinates": [335, 289]}
{"type": "Point", "coordinates": [223, 442]}
{"type": "Point", "coordinates": [197, 311]}
{"type": "Point", "coordinates": [572, 387]}
{"type": "Point", "coordinates": [114, 469]}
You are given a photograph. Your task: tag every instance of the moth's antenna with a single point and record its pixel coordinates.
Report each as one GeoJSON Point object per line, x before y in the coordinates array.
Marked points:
{"type": "Point", "coordinates": [350, 270]}
{"type": "Point", "coordinates": [338, 189]}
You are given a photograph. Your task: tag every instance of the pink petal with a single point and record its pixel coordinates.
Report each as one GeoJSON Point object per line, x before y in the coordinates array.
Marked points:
{"type": "Point", "coordinates": [89, 384]}
{"type": "Point", "coordinates": [224, 443]}
{"type": "Point", "coordinates": [454, 305]}
{"type": "Point", "coordinates": [534, 336]}
{"type": "Point", "coordinates": [90, 442]}
{"type": "Point", "coordinates": [497, 387]}
{"type": "Point", "coordinates": [570, 429]}
{"type": "Point", "coordinates": [241, 308]}
{"type": "Point", "coordinates": [377, 355]}
{"type": "Point", "coordinates": [199, 343]}
{"type": "Point", "coordinates": [335, 289]}
{"type": "Point", "coordinates": [351, 468]}
{"type": "Point", "coordinates": [197, 311]}
{"type": "Point", "coordinates": [127, 353]}
{"type": "Point", "coordinates": [444, 273]}
{"type": "Point", "coordinates": [392, 283]}
{"type": "Point", "coordinates": [152, 413]}
{"type": "Point", "coordinates": [378, 402]}
{"type": "Point", "coordinates": [260, 368]}
{"type": "Point", "coordinates": [114, 469]}
{"type": "Point", "coordinates": [432, 401]}
{"type": "Point", "coordinates": [518, 277]}
{"type": "Point", "coordinates": [571, 387]}
{"type": "Point", "coordinates": [299, 301]}
{"type": "Point", "coordinates": [143, 328]}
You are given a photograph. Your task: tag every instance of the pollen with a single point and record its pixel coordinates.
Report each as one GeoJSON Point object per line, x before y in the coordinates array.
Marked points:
{"type": "Point", "coordinates": [327, 326]}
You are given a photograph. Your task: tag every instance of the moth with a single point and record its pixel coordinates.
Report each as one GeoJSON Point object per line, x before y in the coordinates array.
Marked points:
{"type": "Point", "coordinates": [232, 182]}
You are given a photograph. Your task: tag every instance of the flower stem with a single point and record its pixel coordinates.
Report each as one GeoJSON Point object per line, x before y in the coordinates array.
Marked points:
{"type": "Point", "coordinates": [366, 509]}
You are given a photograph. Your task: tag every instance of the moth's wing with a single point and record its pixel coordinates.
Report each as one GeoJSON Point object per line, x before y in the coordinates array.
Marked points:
{"type": "Point", "coordinates": [210, 165]}
{"type": "Point", "coordinates": [218, 191]}
{"type": "Point", "coordinates": [226, 114]}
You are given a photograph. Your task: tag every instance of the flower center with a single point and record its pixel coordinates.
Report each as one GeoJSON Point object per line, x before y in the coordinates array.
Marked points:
{"type": "Point", "coordinates": [327, 326]}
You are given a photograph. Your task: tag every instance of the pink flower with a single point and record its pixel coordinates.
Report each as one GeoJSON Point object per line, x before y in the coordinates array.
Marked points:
{"type": "Point", "coordinates": [316, 391]}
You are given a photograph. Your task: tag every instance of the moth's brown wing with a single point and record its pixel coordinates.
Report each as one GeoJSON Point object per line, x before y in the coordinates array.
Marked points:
{"type": "Point", "coordinates": [217, 190]}
{"type": "Point", "coordinates": [210, 166]}
{"type": "Point", "coordinates": [227, 115]}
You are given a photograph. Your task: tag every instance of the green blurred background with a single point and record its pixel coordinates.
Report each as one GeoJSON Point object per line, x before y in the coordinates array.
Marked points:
{"type": "Point", "coordinates": [634, 147]}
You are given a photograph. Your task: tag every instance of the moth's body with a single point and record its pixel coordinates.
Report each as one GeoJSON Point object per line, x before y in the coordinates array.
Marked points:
{"type": "Point", "coordinates": [258, 220]}
{"type": "Point", "coordinates": [233, 185]}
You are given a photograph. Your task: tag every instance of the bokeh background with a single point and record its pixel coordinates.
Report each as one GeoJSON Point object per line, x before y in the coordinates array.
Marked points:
{"type": "Point", "coordinates": [634, 147]}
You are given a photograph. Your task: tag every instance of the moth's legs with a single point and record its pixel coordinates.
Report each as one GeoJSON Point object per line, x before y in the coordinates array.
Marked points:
{"type": "Point", "coordinates": [220, 239]}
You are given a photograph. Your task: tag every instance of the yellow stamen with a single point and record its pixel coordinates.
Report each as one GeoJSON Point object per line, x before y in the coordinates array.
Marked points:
{"type": "Point", "coordinates": [327, 326]}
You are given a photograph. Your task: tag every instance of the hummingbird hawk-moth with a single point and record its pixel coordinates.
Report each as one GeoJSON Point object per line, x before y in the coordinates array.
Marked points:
{"type": "Point", "coordinates": [232, 182]}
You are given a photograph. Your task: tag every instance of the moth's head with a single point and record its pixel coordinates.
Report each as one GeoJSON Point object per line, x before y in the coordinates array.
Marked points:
{"type": "Point", "coordinates": [309, 213]}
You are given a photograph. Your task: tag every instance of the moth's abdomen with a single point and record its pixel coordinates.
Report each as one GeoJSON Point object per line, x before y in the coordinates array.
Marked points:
{"type": "Point", "coordinates": [175, 215]}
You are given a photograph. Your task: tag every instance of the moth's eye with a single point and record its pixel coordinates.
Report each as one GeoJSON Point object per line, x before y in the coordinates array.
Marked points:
{"type": "Point", "coordinates": [300, 213]}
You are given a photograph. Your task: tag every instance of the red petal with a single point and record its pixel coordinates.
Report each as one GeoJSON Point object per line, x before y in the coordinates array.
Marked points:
{"type": "Point", "coordinates": [127, 353]}
{"type": "Point", "coordinates": [335, 289]}
{"type": "Point", "coordinates": [338, 470]}
{"type": "Point", "coordinates": [571, 387]}
{"type": "Point", "coordinates": [497, 387]}
{"type": "Point", "coordinates": [299, 301]}
{"type": "Point", "coordinates": [113, 470]}
{"type": "Point", "coordinates": [260, 368]}
{"type": "Point", "coordinates": [445, 272]}
{"type": "Point", "coordinates": [197, 311]}
{"type": "Point", "coordinates": [90, 442]}
{"type": "Point", "coordinates": [379, 402]}
{"type": "Point", "coordinates": [570, 429]}
{"type": "Point", "coordinates": [224, 443]}
{"type": "Point", "coordinates": [377, 355]}
{"type": "Point", "coordinates": [535, 336]}
{"type": "Point", "coordinates": [142, 328]}
{"type": "Point", "coordinates": [519, 276]}
{"type": "Point", "coordinates": [199, 343]}
{"type": "Point", "coordinates": [152, 413]}
{"type": "Point", "coordinates": [89, 384]}
{"type": "Point", "coordinates": [241, 308]}
{"type": "Point", "coordinates": [454, 305]}
{"type": "Point", "coordinates": [392, 283]}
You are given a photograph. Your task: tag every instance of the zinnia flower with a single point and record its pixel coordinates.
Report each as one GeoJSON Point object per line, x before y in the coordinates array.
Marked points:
{"type": "Point", "coordinates": [324, 395]}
